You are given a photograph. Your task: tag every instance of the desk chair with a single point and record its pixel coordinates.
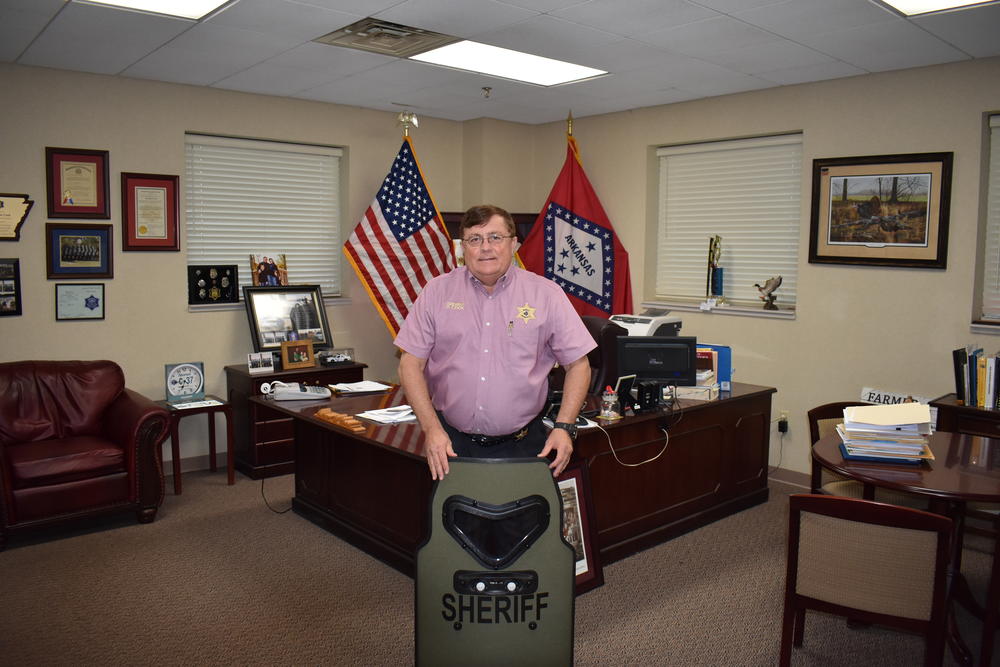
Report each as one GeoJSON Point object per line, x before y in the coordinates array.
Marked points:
{"type": "Point", "coordinates": [871, 562]}
{"type": "Point", "coordinates": [823, 421]}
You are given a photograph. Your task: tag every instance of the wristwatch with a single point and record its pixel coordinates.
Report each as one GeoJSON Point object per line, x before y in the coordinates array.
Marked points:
{"type": "Point", "coordinates": [569, 428]}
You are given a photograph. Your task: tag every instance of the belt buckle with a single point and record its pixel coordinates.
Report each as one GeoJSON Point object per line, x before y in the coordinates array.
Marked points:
{"type": "Point", "coordinates": [520, 434]}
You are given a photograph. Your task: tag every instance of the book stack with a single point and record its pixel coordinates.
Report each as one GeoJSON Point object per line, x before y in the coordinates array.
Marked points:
{"type": "Point", "coordinates": [886, 433]}
{"type": "Point", "coordinates": [976, 377]}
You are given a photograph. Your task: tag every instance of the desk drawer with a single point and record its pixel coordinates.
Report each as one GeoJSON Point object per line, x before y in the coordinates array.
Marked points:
{"type": "Point", "coordinates": [973, 425]}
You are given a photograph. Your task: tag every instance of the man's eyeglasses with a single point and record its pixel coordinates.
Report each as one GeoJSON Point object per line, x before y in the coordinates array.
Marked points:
{"type": "Point", "coordinates": [476, 240]}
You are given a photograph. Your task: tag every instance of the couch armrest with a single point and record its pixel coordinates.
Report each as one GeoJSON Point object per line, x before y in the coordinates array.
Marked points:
{"type": "Point", "coordinates": [141, 426]}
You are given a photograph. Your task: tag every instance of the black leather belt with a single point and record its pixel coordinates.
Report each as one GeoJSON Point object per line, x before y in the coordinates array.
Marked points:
{"type": "Point", "coordinates": [491, 440]}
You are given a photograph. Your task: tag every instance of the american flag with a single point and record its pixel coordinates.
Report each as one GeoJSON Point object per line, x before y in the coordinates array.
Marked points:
{"type": "Point", "coordinates": [401, 241]}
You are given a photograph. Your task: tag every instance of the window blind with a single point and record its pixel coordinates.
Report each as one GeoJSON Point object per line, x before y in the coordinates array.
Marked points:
{"type": "Point", "coordinates": [245, 197]}
{"type": "Point", "coordinates": [991, 263]}
{"type": "Point", "coordinates": [748, 191]}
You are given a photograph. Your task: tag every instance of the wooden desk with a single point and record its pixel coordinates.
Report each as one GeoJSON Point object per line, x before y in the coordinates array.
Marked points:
{"type": "Point", "coordinates": [962, 471]}
{"type": "Point", "coordinates": [372, 488]}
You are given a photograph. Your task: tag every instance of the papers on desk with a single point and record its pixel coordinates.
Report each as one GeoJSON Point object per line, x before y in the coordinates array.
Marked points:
{"type": "Point", "coordinates": [886, 433]}
{"type": "Point", "coordinates": [363, 387]}
{"type": "Point", "coordinates": [396, 415]}
{"type": "Point", "coordinates": [194, 404]}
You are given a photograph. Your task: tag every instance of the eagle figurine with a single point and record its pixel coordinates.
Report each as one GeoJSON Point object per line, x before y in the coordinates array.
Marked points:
{"type": "Point", "coordinates": [767, 291]}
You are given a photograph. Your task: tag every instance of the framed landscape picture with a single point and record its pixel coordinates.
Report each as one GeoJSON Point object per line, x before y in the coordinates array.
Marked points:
{"type": "Point", "coordinates": [881, 210]}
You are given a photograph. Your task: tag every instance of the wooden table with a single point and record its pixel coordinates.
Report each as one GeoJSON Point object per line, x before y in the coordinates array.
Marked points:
{"type": "Point", "coordinates": [176, 414]}
{"type": "Point", "coordinates": [372, 488]}
{"type": "Point", "coordinates": [961, 472]}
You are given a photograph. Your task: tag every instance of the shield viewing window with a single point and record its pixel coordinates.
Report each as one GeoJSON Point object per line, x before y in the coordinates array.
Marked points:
{"type": "Point", "coordinates": [496, 535]}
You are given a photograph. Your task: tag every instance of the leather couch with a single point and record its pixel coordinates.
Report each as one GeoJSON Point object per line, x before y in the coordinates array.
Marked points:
{"type": "Point", "coordinates": [75, 442]}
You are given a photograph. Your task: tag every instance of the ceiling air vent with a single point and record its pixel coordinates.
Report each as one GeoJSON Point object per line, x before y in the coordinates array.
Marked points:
{"type": "Point", "coordinates": [391, 39]}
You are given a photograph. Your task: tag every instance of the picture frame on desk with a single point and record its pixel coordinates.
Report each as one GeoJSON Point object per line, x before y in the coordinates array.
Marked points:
{"type": "Point", "coordinates": [881, 210]}
{"type": "Point", "coordinates": [578, 512]}
{"type": "Point", "coordinates": [297, 354]}
{"type": "Point", "coordinates": [279, 314]}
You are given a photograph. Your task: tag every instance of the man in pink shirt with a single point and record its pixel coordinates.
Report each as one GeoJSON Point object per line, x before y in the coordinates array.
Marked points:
{"type": "Point", "coordinates": [477, 348]}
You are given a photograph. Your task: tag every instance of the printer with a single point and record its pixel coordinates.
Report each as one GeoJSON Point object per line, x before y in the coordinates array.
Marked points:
{"type": "Point", "coordinates": [648, 325]}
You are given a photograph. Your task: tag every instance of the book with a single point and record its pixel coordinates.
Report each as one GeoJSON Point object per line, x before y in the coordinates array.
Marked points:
{"type": "Point", "coordinates": [724, 365]}
{"type": "Point", "coordinates": [959, 361]}
{"type": "Point", "coordinates": [849, 456]}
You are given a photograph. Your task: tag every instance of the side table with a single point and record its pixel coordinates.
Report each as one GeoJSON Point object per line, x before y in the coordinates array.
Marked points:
{"type": "Point", "coordinates": [178, 413]}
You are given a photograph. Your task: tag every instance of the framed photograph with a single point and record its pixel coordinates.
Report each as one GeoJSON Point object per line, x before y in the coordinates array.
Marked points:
{"type": "Point", "coordinates": [149, 212]}
{"type": "Point", "coordinates": [79, 301]}
{"type": "Point", "coordinates": [578, 512]}
{"type": "Point", "coordinates": [881, 210]}
{"type": "Point", "coordinates": [268, 270]}
{"type": "Point", "coordinates": [297, 354]}
{"type": "Point", "coordinates": [10, 287]}
{"type": "Point", "coordinates": [260, 362]}
{"type": "Point", "coordinates": [78, 251]}
{"type": "Point", "coordinates": [280, 314]}
{"type": "Point", "coordinates": [213, 283]}
{"type": "Point", "coordinates": [77, 182]}
{"type": "Point", "coordinates": [14, 211]}
{"type": "Point", "coordinates": [185, 382]}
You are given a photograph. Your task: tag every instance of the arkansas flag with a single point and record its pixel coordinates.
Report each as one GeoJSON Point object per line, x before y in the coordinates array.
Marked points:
{"type": "Point", "coordinates": [572, 243]}
{"type": "Point", "coordinates": [401, 241]}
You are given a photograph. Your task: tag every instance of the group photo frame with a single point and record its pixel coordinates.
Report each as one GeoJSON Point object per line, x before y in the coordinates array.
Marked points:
{"type": "Point", "coordinates": [881, 210]}
{"type": "Point", "coordinates": [10, 287]}
{"type": "Point", "coordinates": [78, 251]}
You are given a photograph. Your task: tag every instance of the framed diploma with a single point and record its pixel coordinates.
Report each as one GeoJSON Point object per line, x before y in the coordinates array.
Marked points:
{"type": "Point", "coordinates": [14, 211]}
{"type": "Point", "coordinates": [149, 212]}
{"type": "Point", "coordinates": [77, 181]}
{"type": "Point", "coordinates": [79, 301]}
{"type": "Point", "coordinates": [78, 251]}
{"type": "Point", "coordinates": [10, 287]}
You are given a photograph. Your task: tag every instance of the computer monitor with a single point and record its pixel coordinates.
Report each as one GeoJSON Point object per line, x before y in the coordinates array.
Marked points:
{"type": "Point", "coordinates": [669, 360]}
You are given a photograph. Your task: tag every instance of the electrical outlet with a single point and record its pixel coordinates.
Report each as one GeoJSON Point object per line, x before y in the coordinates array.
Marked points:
{"type": "Point", "coordinates": [783, 415]}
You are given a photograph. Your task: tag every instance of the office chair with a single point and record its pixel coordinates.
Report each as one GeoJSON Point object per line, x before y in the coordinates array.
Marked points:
{"type": "Point", "coordinates": [823, 421]}
{"type": "Point", "coordinates": [871, 562]}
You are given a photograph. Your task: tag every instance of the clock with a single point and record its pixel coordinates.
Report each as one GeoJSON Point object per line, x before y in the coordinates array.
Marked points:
{"type": "Point", "coordinates": [185, 382]}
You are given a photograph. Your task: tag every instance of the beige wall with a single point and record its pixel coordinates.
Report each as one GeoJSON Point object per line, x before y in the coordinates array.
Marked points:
{"type": "Point", "coordinates": [855, 326]}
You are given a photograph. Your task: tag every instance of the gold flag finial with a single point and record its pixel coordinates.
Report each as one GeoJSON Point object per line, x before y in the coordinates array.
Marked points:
{"type": "Point", "coordinates": [569, 124]}
{"type": "Point", "coordinates": [407, 118]}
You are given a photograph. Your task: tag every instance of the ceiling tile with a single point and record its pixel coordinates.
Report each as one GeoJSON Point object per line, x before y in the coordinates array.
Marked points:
{"type": "Point", "coordinates": [641, 15]}
{"type": "Point", "coordinates": [885, 46]}
{"type": "Point", "coordinates": [474, 18]}
{"type": "Point", "coordinates": [20, 21]}
{"type": "Point", "coordinates": [766, 57]}
{"type": "Point", "coordinates": [798, 19]}
{"type": "Point", "coordinates": [281, 17]}
{"type": "Point", "coordinates": [975, 30]}
{"type": "Point", "coordinates": [807, 73]}
{"type": "Point", "coordinates": [551, 37]}
{"type": "Point", "coordinates": [91, 38]}
{"type": "Point", "coordinates": [721, 33]}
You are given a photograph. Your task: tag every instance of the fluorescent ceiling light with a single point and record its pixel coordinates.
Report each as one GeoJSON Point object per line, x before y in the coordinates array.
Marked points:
{"type": "Point", "coordinates": [913, 7]}
{"type": "Point", "coordinates": [507, 64]}
{"type": "Point", "coordinates": [189, 9]}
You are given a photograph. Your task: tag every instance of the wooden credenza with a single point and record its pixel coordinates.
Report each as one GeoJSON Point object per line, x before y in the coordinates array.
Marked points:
{"type": "Point", "coordinates": [958, 418]}
{"type": "Point", "coordinates": [265, 438]}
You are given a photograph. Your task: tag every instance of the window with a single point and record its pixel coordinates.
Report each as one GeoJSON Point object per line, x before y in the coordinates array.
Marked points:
{"type": "Point", "coordinates": [991, 260]}
{"type": "Point", "coordinates": [747, 191]}
{"type": "Point", "coordinates": [248, 197]}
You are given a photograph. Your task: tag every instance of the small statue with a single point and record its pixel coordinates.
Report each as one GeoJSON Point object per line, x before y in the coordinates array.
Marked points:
{"type": "Point", "coordinates": [767, 292]}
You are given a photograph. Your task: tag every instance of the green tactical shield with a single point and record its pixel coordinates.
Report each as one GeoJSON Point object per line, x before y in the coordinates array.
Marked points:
{"type": "Point", "coordinates": [495, 580]}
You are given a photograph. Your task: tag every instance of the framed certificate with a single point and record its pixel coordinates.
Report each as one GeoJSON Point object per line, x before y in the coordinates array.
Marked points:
{"type": "Point", "coordinates": [149, 212]}
{"type": "Point", "coordinates": [79, 301]}
{"type": "Point", "coordinates": [78, 251]}
{"type": "Point", "coordinates": [77, 181]}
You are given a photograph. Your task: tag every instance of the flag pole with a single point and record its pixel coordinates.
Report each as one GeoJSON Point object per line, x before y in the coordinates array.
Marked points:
{"type": "Point", "coordinates": [569, 124]}
{"type": "Point", "coordinates": [407, 118]}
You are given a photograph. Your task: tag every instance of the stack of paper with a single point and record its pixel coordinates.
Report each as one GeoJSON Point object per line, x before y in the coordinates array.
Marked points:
{"type": "Point", "coordinates": [363, 387]}
{"type": "Point", "coordinates": [886, 432]}
{"type": "Point", "coordinates": [400, 413]}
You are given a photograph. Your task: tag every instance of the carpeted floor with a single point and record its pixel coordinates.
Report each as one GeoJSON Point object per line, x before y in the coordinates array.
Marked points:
{"type": "Point", "coordinates": [220, 579]}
